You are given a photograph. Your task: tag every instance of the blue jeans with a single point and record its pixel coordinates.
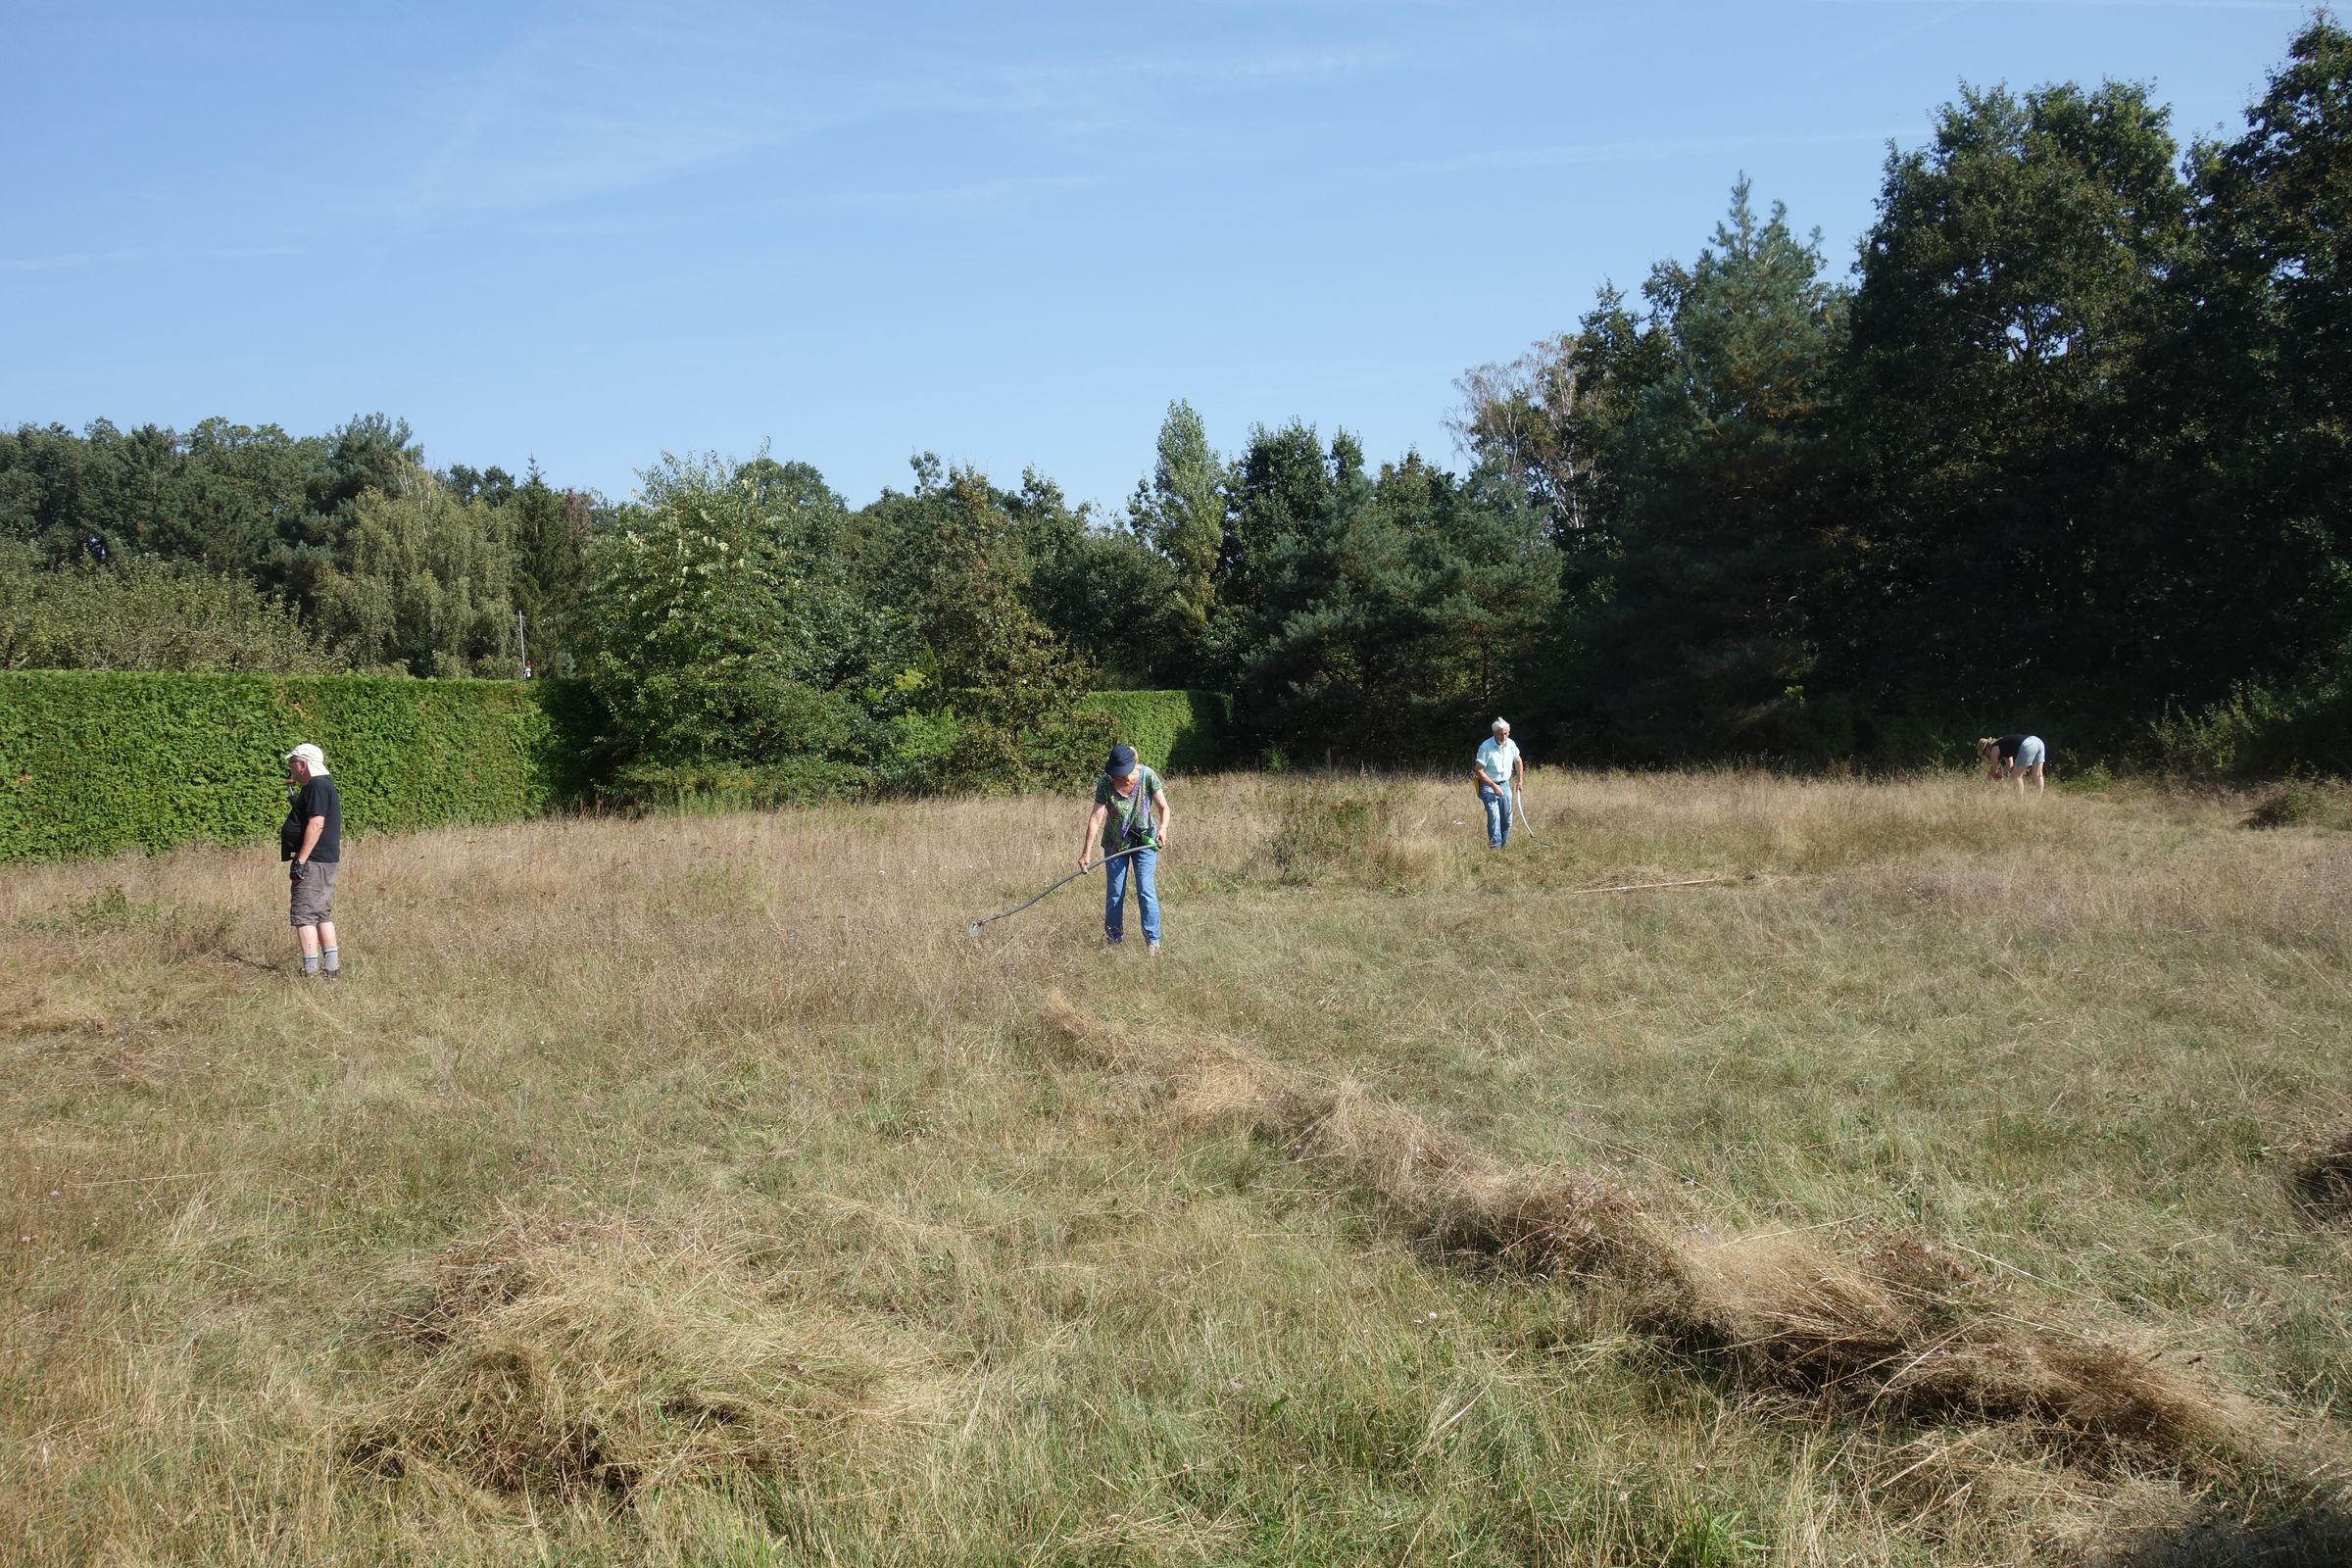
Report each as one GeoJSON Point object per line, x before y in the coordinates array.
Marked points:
{"type": "Point", "coordinates": [1114, 895]}
{"type": "Point", "coordinates": [1497, 803]}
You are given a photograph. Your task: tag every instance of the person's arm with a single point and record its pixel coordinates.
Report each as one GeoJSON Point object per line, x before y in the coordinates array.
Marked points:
{"type": "Point", "coordinates": [1160, 811]}
{"type": "Point", "coordinates": [310, 839]}
{"type": "Point", "coordinates": [1093, 836]}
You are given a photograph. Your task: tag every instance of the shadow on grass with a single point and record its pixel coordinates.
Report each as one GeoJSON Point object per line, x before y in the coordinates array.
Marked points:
{"type": "Point", "coordinates": [2323, 1184]}
{"type": "Point", "coordinates": [2317, 1533]}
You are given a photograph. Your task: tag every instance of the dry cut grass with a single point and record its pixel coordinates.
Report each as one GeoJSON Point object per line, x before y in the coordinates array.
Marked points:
{"type": "Point", "coordinates": [1898, 1323]}
{"type": "Point", "coordinates": [554, 1360]}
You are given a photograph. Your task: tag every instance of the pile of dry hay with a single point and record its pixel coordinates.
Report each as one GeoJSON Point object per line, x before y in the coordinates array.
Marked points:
{"type": "Point", "coordinates": [1896, 1325]}
{"type": "Point", "coordinates": [562, 1360]}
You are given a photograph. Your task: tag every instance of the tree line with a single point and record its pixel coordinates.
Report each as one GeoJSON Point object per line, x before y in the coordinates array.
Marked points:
{"type": "Point", "coordinates": [2065, 448]}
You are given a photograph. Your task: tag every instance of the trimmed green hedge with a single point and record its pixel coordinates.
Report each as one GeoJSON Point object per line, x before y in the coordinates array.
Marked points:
{"type": "Point", "coordinates": [92, 761]}
{"type": "Point", "coordinates": [95, 761]}
{"type": "Point", "coordinates": [1183, 732]}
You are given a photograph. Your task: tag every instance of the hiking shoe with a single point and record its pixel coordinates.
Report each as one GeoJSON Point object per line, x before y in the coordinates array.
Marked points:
{"type": "Point", "coordinates": [1152, 948]}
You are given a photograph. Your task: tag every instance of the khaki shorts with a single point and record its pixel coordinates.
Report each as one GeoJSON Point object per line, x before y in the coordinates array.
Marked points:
{"type": "Point", "coordinates": [314, 894]}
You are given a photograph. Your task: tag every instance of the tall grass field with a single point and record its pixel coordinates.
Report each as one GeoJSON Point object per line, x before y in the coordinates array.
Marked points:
{"type": "Point", "coordinates": [1934, 1177]}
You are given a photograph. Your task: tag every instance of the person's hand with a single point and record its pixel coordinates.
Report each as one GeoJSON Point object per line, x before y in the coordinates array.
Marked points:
{"type": "Point", "coordinates": [298, 869]}
{"type": "Point", "coordinates": [1084, 860]}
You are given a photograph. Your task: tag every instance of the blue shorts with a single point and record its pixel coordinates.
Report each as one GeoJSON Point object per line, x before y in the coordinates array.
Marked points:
{"type": "Point", "coordinates": [2031, 752]}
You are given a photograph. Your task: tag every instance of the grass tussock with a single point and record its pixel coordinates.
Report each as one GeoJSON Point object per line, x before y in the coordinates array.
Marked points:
{"type": "Point", "coordinates": [1370, 832]}
{"type": "Point", "coordinates": [555, 1360]}
{"type": "Point", "coordinates": [2304, 803]}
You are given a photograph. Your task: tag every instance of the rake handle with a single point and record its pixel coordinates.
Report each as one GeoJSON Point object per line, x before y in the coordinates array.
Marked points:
{"type": "Point", "coordinates": [974, 928]}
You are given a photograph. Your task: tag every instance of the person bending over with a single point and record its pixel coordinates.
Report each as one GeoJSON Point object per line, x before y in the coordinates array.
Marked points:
{"type": "Point", "coordinates": [311, 839]}
{"type": "Point", "coordinates": [2014, 757]}
{"type": "Point", "coordinates": [1131, 812]}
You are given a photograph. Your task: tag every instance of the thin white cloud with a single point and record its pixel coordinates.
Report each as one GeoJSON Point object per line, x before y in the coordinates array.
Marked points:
{"type": "Point", "coordinates": [1066, 88]}
{"type": "Point", "coordinates": [1642, 150]}
{"type": "Point", "coordinates": [974, 193]}
{"type": "Point", "coordinates": [161, 255]}
{"type": "Point", "coordinates": [605, 98]}
{"type": "Point", "coordinates": [1286, 65]}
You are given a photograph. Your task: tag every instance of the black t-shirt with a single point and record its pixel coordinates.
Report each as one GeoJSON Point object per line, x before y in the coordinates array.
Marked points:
{"type": "Point", "coordinates": [317, 797]}
{"type": "Point", "coordinates": [2006, 747]}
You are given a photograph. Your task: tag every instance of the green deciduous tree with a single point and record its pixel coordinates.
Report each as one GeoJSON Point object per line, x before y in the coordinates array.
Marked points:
{"type": "Point", "coordinates": [719, 640]}
{"type": "Point", "coordinates": [147, 614]}
{"type": "Point", "coordinates": [422, 583]}
{"type": "Point", "coordinates": [1180, 512]}
{"type": "Point", "coordinates": [1101, 587]}
{"type": "Point", "coordinates": [1520, 421]}
{"type": "Point", "coordinates": [2011, 295]}
{"type": "Point", "coordinates": [2253, 549]}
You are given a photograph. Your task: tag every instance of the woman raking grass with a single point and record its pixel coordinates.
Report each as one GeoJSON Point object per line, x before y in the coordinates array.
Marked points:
{"type": "Point", "coordinates": [1130, 815]}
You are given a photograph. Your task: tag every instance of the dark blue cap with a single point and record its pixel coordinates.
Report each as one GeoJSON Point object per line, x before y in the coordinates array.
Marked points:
{"type": "Point", "coordinates": [1122, 762]}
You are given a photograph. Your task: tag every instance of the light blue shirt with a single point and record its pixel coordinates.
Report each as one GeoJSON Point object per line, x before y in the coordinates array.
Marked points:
{"type": "Point", "coordinates": [1495, 760]}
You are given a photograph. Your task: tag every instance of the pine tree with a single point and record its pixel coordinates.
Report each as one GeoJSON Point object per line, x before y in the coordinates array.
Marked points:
{"type": "Point", "coordinates": [1704, 434]}
{"type": "Point", "coordinates": [1014, 688]}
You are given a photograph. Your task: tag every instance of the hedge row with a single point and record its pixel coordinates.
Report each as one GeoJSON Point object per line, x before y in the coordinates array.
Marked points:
{"type": "Point", "coordinates": [95, 761]}
{"type": "Point", "coordinates": [1183, 732]}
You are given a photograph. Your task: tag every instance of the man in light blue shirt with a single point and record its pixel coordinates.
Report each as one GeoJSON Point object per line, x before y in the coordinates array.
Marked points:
{"type": "Point", "coordinates": [1499, 772]}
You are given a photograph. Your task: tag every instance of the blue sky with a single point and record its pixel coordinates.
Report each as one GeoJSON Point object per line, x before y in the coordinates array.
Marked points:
{"type": "Point", "coordinates": [592, 233]}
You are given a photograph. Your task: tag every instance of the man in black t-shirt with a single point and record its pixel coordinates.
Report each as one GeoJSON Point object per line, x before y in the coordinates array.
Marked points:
{"type": "Point", "coordinates": [311, 840]}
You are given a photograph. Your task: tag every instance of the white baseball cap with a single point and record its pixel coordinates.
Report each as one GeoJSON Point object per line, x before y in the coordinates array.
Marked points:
{"type": "Point", "coordinates": [307, 753]}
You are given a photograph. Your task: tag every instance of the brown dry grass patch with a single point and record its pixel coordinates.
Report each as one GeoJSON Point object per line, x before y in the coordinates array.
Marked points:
{"type": "Point", "coordinates": [558, 1360]}
{"type": "Point", "coordinates": [1904, 1326]}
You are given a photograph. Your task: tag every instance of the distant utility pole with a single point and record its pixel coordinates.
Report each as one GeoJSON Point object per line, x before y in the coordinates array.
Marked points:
{"type": "Point", "coordinates": [521, 650]}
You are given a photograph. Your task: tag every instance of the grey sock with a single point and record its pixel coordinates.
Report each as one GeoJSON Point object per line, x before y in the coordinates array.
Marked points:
{"type": "Point", "coordinates": [331, 963]}
{"type": "Point", "coordinates": [310, 963]}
